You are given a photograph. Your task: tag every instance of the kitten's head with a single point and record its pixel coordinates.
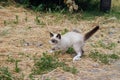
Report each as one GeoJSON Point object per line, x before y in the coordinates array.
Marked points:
{"type": "Point", "coordinates": [54, 38]}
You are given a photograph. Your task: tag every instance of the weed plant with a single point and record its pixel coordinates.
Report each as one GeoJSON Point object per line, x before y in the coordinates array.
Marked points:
{"type": "Point", "coordinates": [46, 63]}
{"type": "Point", "coordinates": [38, 21]}
{"type": "Point", "coordinates": [5, 74]}
{"type": "Point", "coordinates": [109, 46]}
{"type": "Point", "coordinates": [103, 58]}
{"type": "Point", "coordinates": [17, 69]}
{"type": "Point", "coordinates": [73, 70]}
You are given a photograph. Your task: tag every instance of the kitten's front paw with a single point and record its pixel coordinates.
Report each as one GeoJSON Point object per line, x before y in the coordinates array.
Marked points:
{"type": "Point", "coordinates": [76, 58]}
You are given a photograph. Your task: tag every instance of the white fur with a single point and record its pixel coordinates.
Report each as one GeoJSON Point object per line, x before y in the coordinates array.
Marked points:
{"type": "Point", "coordinates": [70, 39]}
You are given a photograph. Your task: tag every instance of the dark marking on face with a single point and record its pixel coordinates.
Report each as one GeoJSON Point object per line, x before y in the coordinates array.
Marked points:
{"type": "Point", "coordinates": [51, 34]}
{"type": "Point", "coordinates": [58, 36]}
{"type": "Point", "coordinates": [54, 41]}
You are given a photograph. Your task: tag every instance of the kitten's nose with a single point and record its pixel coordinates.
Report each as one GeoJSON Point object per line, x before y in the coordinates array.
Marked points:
{"type": "Point", "coordinates": [53, 40]}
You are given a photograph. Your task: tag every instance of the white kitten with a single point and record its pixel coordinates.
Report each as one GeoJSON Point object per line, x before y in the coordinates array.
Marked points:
{"type": "Point", "coordinates": [71, 39]}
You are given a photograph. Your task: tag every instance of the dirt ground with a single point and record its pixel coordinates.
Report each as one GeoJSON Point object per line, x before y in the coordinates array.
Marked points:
{"type": "Point", "coordinates": [26, 39]}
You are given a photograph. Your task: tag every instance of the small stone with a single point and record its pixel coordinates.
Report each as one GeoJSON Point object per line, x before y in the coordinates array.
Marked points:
{"type": "Point", "coordinates": [106, 69]}
{"type": "Point", "coordinates": [110, 33]}
{"type": "Point", "coordinates": [26, 44]}
{"type": "Point", "coordinates": [118, 41]}
{"type": "Point", "coordinates": [39, 44]}
{"type": "Point", "coordinates": [1, 41]}
{"type": "Point", "coordinates": [94, 70]}
{"type": "Point", "coordinates": [96, 65]}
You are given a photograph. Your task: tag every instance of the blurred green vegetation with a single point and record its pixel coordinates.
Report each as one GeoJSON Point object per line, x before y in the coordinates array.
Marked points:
{"type": "Point", "coordinates": [89, 9]}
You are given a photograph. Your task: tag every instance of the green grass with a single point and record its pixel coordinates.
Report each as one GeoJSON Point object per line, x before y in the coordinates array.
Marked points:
{"type": "Point", "coordinates": [88, 9]}
{"type": "Point", "coordinates": [5, 74]}
{"type": "Point", "coordinates": [70, 50]}
{"type": "Point", "coordinates": [38, 8]}
{"type": "Point", "coordinates": [26, 18]}
{"type": "Point", "coordinates": [64, 31]}
{"type": "Point", "coordinates": [31, 77]}
{"type": "Point", "coordinates": [114, 56]}
{"type": "Point", "coordinates": [87, 15]}
{"type": "Point", "coordinates": [109, 46]}
{"type": "Point", "coordinates": [12, 60]}
{"type": "Point", "coordinates": [4, 32]}
{"type": "Point", "coordinates": [17, 69]}
{"type": "Point", "coordinates": [47, 79]}
{"type": "Point", "coordinates": [5, 23]}
{"type": "Point", "coordinates": [72, 70]}
{"type": "Point", "coordinates": [16, 19]}
{"type": "Point", "coordinates": [113, 14]}
{"type": "Point", "coordinates": [91, 15]}
{"type": "Point", "coordinates": [5, 3]}
{"type": "Point", "coordinates": [38, 21]}
{"type": "Point", "coordinates": [48, 63]}
{"type": "Point", "coordinates": [103, 58]}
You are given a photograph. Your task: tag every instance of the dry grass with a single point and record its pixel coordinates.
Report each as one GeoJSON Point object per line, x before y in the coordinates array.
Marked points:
{"type": "Point", "coordinates": [26, 40]}
{"type": "Point", "coordinates": [116, 3]}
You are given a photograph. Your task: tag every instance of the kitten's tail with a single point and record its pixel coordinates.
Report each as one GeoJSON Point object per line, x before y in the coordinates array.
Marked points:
{"type": "Point", "coordinates": [90, 33]}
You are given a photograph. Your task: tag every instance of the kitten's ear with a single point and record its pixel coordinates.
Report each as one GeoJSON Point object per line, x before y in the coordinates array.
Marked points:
{"type": "Point", "coordinates": [58, 36]}
{"type": "Point", "coordinates": [51, 34]}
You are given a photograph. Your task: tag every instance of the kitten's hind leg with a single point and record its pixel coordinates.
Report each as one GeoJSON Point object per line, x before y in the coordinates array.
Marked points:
{"type": "Point", "coordinates": [78, 50]}
{"type": "Point", "coordinates": [77, 57]}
